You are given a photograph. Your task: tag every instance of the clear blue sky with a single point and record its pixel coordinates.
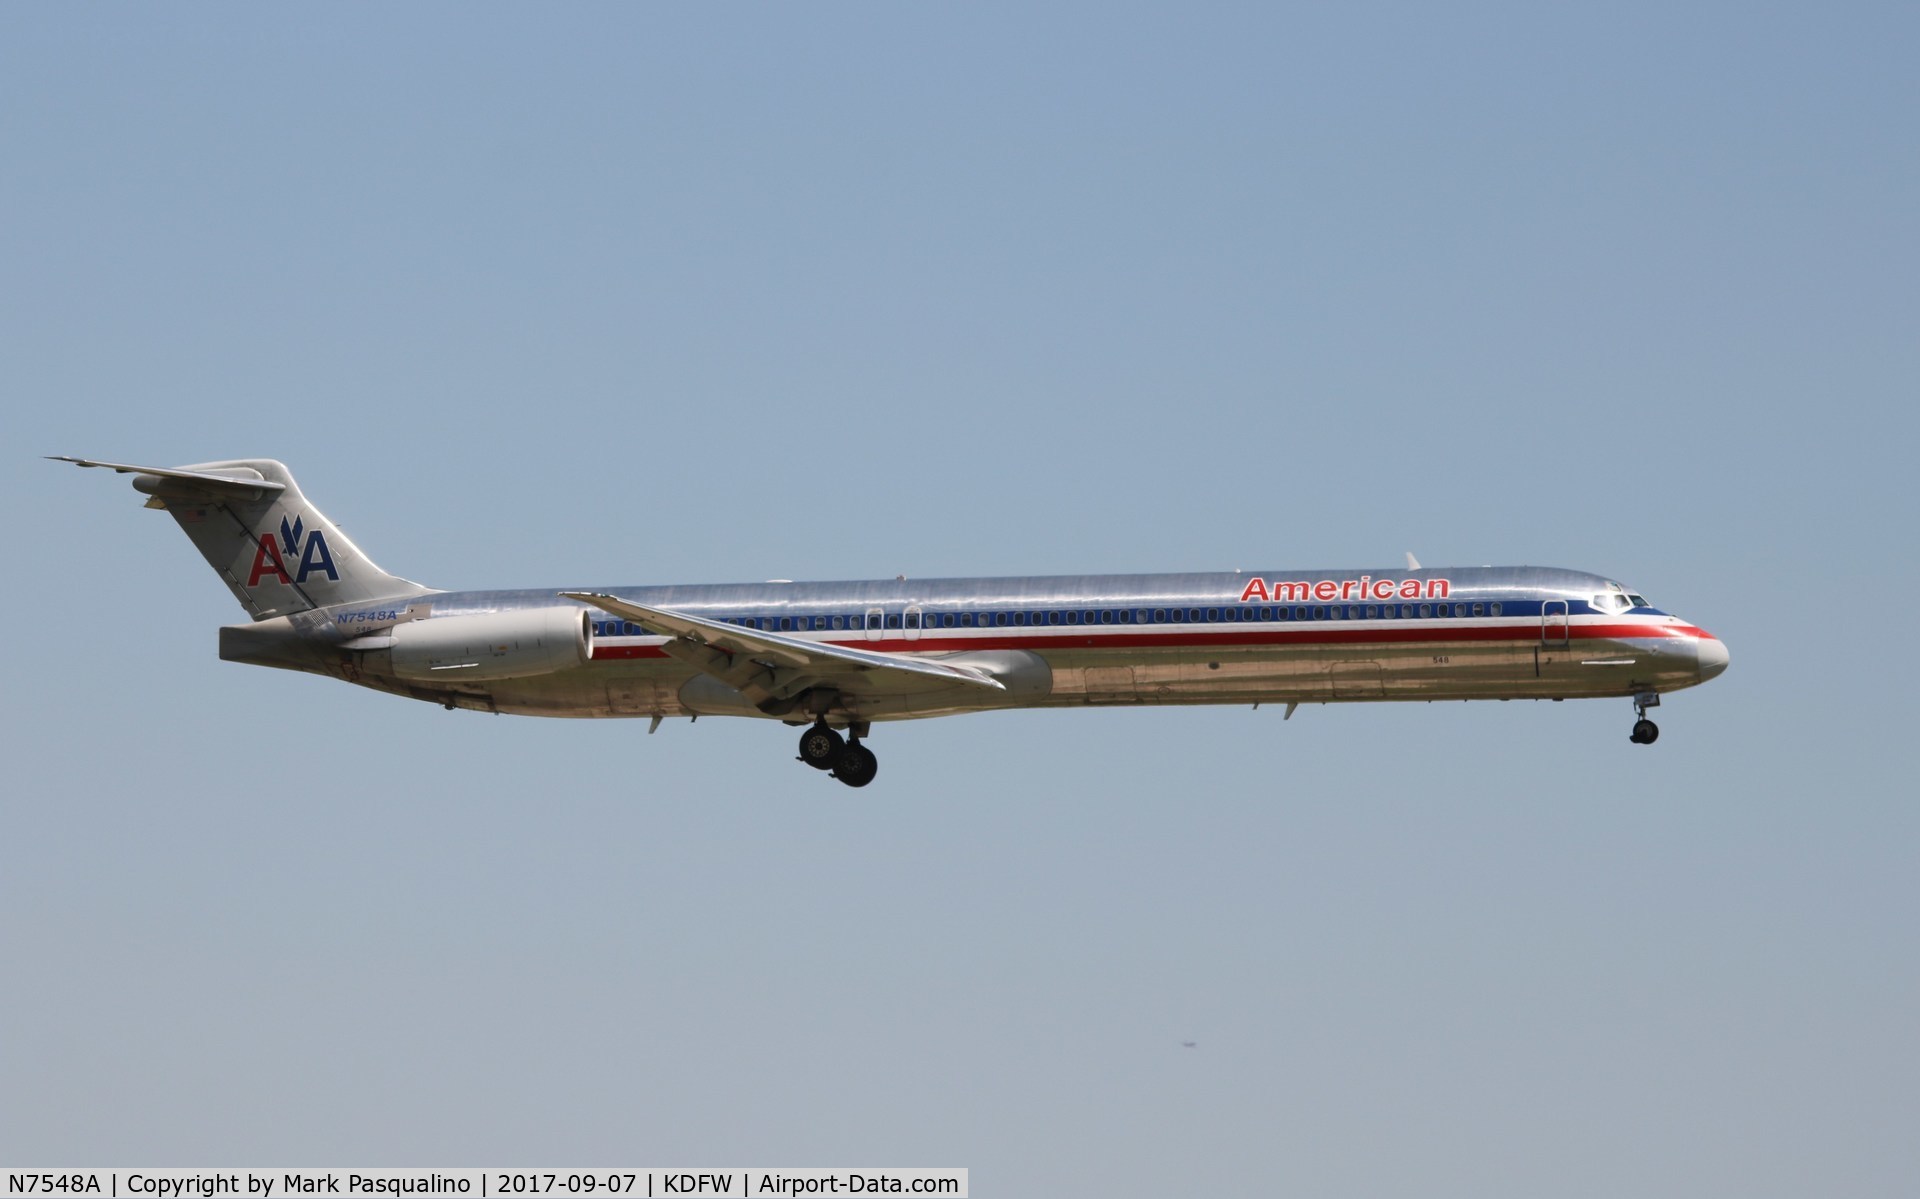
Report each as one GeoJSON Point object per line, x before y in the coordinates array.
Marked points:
{"type": "Point", "coordinates": [623, 294]}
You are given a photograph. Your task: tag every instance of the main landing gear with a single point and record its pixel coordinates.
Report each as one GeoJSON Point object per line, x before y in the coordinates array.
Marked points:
{"type": "Point", "coordinates": [848, 760]}
{"type": "Point", "coordinates": [1645, 732]}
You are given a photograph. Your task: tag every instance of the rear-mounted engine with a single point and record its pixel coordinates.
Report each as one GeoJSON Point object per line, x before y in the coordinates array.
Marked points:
{"type": "Point", "coordinates": [492, 645]}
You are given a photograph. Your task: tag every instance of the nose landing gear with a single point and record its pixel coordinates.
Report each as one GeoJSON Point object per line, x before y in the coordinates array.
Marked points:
{"type": "Point", "coordinates": [1645, 732]}
{"type": "Point", "coordinates": [847, 760]}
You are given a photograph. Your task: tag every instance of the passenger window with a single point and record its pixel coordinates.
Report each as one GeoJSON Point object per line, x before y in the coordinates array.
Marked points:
{"type": "Point", "coordinates": [1159, 616]}
{"type": "Point", "coordinates": [1494, 609]}
{"type": "Point", "coordinates": [1479, 609]}
{"type": "Point", "coordinates": [1426, 610]}
{"type": "Point", "coordinates": [1106, 616]}
{"type": "Point", "coordinates": [893, 621]}
{"type": "Point", "coordinates": [1213, 614]}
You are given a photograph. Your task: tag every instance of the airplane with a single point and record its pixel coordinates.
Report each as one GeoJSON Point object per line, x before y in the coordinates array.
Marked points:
{"type": "Point", "coordinates": [834, 658]}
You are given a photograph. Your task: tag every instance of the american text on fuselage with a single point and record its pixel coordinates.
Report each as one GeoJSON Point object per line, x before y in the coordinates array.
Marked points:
{"type": "Point", "coordinates": [834, 658]}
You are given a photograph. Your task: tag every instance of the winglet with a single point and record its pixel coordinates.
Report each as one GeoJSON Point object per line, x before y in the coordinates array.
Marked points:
{"type": "Point", "coordinates": [1413, 563]}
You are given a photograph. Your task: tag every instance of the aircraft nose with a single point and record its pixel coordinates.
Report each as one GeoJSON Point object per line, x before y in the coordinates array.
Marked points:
{"type": "Point", "coordinates": [1713, 656]}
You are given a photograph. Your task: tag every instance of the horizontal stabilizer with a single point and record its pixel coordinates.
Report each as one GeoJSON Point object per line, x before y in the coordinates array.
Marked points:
{"type": "Point", "coordinates": [239, 483]}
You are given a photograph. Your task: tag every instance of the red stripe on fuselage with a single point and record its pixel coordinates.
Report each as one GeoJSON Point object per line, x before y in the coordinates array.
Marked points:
{"type": "Point", "coordinates": [1120, 637]}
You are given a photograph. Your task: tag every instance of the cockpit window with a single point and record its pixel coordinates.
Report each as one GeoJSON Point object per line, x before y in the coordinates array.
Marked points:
{"type": "Point", "coordinates": [1640, 601]}
{"type": "Point", "coordinates": [1610, 602]}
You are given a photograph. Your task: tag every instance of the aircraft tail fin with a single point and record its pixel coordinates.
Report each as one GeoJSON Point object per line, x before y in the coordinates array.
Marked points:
{"type": "Point", "coordinates": [275, 550]}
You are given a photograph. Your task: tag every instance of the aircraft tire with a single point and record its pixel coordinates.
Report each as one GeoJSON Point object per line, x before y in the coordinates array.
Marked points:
{"type": "Point", "coordinates": [821, 747]}
{"type": "Point", "coordinates": [1645, 732]}
{"type": "Point", "coordinates": [857, 765]}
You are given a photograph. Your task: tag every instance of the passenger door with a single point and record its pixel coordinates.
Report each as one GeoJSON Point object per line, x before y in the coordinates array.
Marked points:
{"type": "Point", "coordinates": [1553, 624]}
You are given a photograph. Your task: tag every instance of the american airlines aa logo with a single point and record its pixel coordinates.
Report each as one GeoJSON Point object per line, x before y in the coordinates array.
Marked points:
{"type": "Point", "coordinates": [270, 559]}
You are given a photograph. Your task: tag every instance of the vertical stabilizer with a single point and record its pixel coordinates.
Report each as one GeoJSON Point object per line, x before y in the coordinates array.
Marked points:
{"type": "Point", "coordinates": [275, 550]}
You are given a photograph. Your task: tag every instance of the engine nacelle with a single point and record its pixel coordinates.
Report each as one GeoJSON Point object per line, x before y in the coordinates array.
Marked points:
{"type": "Point", "coordinates": [492, 645]}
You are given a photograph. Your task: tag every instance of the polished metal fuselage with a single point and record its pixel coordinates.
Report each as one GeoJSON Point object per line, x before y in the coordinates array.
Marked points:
{"type": "Point", "coordinates": [1240, 637]}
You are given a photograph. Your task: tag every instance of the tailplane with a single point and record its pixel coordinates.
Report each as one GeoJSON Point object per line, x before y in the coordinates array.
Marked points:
{"type": "Point", "coordinates": [276, 551]}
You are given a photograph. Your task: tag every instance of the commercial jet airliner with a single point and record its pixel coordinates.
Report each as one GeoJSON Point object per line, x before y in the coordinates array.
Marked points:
{"type": "Point", "coordinates": [834, 658]}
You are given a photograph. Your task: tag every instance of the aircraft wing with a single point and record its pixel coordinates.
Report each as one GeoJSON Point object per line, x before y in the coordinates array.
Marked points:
{"type": "Point", "coordinates": [769, 667]}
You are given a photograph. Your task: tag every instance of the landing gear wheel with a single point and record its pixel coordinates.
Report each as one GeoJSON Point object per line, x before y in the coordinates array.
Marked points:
{"type": "Point", "coordinates": [821, 747]}
{"type": "Point", "coordinates": [857, 765]}
{"type": "Point", "coordinates": [1645, 732]}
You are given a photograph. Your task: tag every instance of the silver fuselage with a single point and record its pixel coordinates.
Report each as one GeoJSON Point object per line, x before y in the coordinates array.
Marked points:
{"type": "Point", "coordinates": [1241, 638]}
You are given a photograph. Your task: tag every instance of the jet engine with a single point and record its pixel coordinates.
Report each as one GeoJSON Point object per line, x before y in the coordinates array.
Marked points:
{"type": "Point", "coordinates": [492, 645]}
